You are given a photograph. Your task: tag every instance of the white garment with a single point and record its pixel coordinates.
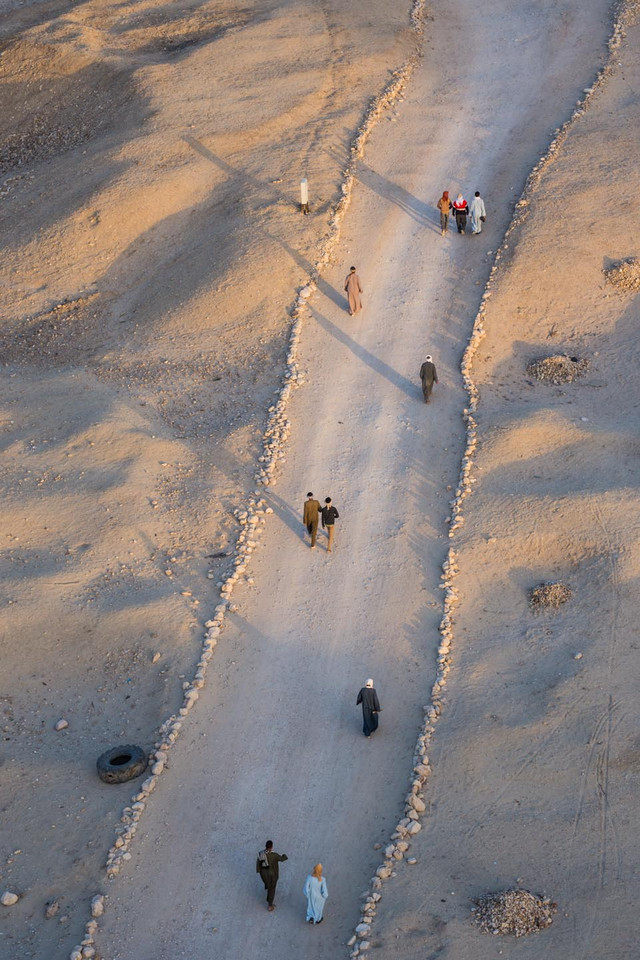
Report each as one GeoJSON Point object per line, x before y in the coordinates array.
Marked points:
{"type": "Point", "coordinates": [477, 210]}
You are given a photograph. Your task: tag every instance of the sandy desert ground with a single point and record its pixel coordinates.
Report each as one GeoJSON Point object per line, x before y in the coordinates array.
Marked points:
{"type": "Point", "coordinates": [147, 282]}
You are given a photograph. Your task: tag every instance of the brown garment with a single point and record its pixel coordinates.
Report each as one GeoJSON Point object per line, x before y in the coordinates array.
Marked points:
{"type": "Point", "coordinates": [310, 518]}
{"type": "Point", "coordinates": [444, 206]}
{"type": "Point", "coordinates": [354, 288]}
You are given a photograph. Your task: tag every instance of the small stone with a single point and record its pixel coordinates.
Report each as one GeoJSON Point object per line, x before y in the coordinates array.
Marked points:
{"type": "Point", "coordinates": [362, 929]}
{"type": "Point", "coordinates": [8, 898]}
{"type": "Point", "coordinates": [411, 860]}
{"type": "Point", "coordinates": [62, 724]}
{"type": "Point", "coordinates": [577, 656]}
{"type": "Point", "coordinates": [52, 909]}
{"type": "Point", "coordinates": [155, 658]}
{"type": "Point", "coordinates": [414, 828]}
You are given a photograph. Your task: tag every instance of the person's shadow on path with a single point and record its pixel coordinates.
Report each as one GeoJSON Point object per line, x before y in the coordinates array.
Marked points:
{"type": "Point", "coordinates": [376, 364]}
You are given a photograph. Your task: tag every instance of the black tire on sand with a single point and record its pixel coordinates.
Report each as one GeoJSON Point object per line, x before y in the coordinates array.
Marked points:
{"type": "Point", "coordinates": [121, 764]}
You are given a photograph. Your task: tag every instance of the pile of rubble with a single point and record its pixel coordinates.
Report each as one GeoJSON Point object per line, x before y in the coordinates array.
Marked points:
{"type": "Point", "coordinates": [558, 369]}
{"type": "Point", "coordinates": [516, 912]}
{"type": "Point", "coordinates": [549, 595]}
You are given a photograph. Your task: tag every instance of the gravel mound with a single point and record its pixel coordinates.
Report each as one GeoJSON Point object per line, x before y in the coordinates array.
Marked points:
{"type": "Point", "coordinates": [625, 275]}
{"type": "Point", "coordinates": [516, 912]}
{"type": "Point", "coordinates": [549, 595]}
{"type": "Point", "coordinates": [558, 369]}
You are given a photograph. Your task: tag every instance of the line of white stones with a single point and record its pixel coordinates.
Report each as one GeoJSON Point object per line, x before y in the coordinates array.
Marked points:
{"type": "Point", "coordinates": [252, 519]}
{"type": "Point", "coordinates": [409, 826]}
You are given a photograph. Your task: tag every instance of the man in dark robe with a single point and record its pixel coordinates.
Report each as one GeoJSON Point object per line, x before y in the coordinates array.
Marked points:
{"type": "Point", "coordinates": [370, 708]}
{"type": "Point", "coordinates": [267, 867]}
{"type": "Point", "coordinates": [310, 518]}
{"type": "Point", "coordinates": [428, 376]}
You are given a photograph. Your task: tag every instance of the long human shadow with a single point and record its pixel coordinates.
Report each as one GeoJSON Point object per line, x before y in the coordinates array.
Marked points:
{"type": "Point", "coordinates": [379, 366]}
{"type": "Point", "coordinates": [322, 285]}
{"type": "Point", "coordinates": [419, 211]}
{"type": "Point", "coordinates": [325, 288]}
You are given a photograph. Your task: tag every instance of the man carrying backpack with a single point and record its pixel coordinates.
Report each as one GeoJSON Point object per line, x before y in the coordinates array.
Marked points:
{"type": "Point", "coordinates": [267, 867]}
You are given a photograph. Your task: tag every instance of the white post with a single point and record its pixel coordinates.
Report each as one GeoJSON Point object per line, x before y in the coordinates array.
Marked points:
{"type": "Point", "coordinates": [304, 195]}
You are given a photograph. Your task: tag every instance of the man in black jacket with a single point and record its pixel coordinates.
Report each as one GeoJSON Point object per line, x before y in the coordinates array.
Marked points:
{"type": "Point", "coordinates": [329, 517]}
{"type": "Point", "coordinates": [267, 867]}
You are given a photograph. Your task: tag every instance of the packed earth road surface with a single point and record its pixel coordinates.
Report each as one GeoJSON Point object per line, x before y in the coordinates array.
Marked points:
{"type": "Point", "coordinates": [274, 748]}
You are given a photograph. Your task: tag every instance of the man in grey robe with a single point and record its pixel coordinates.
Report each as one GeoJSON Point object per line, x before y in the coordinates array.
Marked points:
{"type": "Point", "coordinates": [428, 376]}
{"type": "Point", "coordinates": [353, 288]}
{"type": "Point", "coordinates": [370, 708]}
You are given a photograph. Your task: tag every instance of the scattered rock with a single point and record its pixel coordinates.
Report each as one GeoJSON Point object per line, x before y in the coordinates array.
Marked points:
{"type": "Point", "coordinates": [516, 912]}
{"type": "Point", "coordinates": [155, 658]}
{"type": "Point", "coordinates": [558, 369]}
{"type": "Point", "coordinates": [8, 898]}
{"type": "Point", "coordinates": [62, 724]}
{"type": "Point", "coordinates": [51, 909]}
{"type": "Point", "coordinates": [549, 595]}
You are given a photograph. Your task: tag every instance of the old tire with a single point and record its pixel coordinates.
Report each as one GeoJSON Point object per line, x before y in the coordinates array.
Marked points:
{"type": "Point", "coordinates": [121, 764]}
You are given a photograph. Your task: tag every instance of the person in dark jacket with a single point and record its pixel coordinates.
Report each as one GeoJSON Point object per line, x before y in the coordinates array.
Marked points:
{"type": "Point", "coordinates": [267, 867]}
{"type": "Point", "coordinates": [428, 376]}
{"type": "Point", "coordinates": [370, 708]}
{"type": "Point", "coordinates": [329, 517]}
{"type": "Point", "coordinates": [310, 518]}
{"type": "Point", "coordinates": [460, 210]}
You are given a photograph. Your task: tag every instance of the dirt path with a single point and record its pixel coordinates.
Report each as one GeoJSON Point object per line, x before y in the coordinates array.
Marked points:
{"type": "Point", "coordinates": [274, 746]}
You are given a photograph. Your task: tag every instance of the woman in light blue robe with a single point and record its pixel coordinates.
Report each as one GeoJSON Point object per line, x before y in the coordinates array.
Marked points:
{"type": "Point", "coordinates": [315, 890]}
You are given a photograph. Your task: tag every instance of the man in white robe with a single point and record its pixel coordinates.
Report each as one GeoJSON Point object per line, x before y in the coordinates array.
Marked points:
{"type": "Point", "coordinates": [478, 213]}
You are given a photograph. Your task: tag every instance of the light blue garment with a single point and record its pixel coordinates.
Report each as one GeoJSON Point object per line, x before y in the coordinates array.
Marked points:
{"type": "Point", "coordinates": [477, 210]}
{"type": "Point", "coordinates": [316, 893]}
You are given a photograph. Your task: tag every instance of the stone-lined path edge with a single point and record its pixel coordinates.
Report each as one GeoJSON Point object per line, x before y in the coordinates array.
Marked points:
{"type": "Point", "coordinates": [415, 805]}
{"type": "Point", "coordinates": [253, 518]}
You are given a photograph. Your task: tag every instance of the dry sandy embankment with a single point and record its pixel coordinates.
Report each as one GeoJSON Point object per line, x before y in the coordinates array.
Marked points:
{"type": "Point", "coordinates": [536, 759]}
{"type": "Point", "coordinates": [149, 163]}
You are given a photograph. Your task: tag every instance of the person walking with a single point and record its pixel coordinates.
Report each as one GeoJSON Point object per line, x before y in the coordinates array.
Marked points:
{"type": "Point", "coordinates": [478, 213]}
{"type": "Point", "coordinates": [329, 517]}
{"type": "Point", "coordinates": [315, 890]}
{"type": "Point", "coordinates": [444, 206]}
{"type": "Point", "coordinates": [353, 288]}
{"type": "Point", "coordinates": [429, 376]}
{"type": "Point", "coordinates": [310, 518]}
{"type": "Point", "coordinates": [267, 865]}
{"type": "Point", "coordinates": [370, 708]}
{"type": "Point", "coordinates": [460, 209]}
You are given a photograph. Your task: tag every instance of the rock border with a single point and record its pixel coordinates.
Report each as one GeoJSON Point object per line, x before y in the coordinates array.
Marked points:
{"type": "Point", "coordinates": [415, 805]}
{"type": "Point", "coordinates": [253, 518]}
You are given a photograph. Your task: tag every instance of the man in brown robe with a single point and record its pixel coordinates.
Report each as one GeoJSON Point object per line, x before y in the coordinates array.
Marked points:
{"type": "Point", "coordinates": [428, 376]}
{"type": "Point", "coordinates": [354, 288]}
{"type": "Point", "coordinates": [310, 518]}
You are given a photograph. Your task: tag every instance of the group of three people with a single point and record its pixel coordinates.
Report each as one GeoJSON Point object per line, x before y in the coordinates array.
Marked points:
{"type": "Point", "coordinates": [461, 210]}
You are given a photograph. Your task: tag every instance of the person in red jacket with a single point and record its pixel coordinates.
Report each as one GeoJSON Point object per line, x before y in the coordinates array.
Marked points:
{"type": "Point", "coordinates": [460, 210]}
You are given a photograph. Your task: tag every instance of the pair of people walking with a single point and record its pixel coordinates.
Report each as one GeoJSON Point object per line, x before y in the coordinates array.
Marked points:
{"type": "Point", "coordinates": [461, 210]}
{"type": "Point", "coordinates": [313, 513]}
{"type": "Point", "coordinates": [315, 886]}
